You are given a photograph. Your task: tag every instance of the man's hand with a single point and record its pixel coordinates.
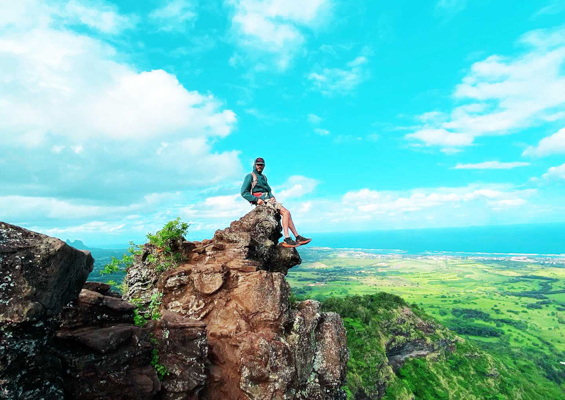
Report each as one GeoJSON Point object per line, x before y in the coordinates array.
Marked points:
{"type": "Point", "coordinates": [260, 201]}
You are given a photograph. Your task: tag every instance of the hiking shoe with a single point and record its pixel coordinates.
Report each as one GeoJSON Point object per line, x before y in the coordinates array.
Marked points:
{"type": "Point", "coordinates": [302, 240]}
{"type": "Point", "coordinates": [288, 242]}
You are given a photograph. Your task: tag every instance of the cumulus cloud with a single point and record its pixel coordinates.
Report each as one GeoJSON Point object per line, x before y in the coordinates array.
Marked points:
{"type": "Point", "coordinates": [555, 173]}
{"type": "Point", "coordinates": [450, 7]}
{"type": "Point", "coordinates": [554, 144]}
{"type": "Point", "coordinates": [49, 208]}
{"type": "Point", "coordinates": [296, 186]}
{"type": "Point", "coordinates": [321, 131]}
{"type": "Point", "coordinates": [493, 165]}
{"type": "Point", "coordinates": [314, 119]}
{"type": "Point", "coordinates": [93, 131]}
{"type": "Point", "coordinates": [442, 137]}
{"type": "Point", "coordinates": [175, 15]}
{"type": "Point", "coordinates": [332, 81]}
{"type": "Point", "coordinates": [100, 16]}
{"type": "Point", "coordinates": [374, 209]}
{"type": "Point", "coordinates": [367, 209]}
{"type": "Point", "coordinates": [502, 95]}
{"type": "Point", "coordinates": [276, 27]}
{"type": "Point", "coordinates": [553, 7]}
{"type": "Point", "coordinates": [371, 201]}
{"type": "Point", "coordinates": [218, 211]}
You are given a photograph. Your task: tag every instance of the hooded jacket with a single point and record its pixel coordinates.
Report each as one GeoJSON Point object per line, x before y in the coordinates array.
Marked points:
{"type": "Point", "coordinates": [261, 187]}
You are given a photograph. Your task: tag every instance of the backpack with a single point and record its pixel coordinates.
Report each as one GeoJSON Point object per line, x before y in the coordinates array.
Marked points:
{"type": "Point", "coordinates": [254, 181]}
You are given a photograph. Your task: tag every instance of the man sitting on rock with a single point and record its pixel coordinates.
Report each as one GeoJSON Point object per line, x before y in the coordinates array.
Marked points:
{"type": "Point", "coordinates": [256, 190]}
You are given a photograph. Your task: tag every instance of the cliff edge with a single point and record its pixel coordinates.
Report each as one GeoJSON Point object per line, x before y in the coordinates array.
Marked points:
{"type": "Point", "coordinates": [222, 323]}
{"type": "Point", "coordinates": [260, 345]}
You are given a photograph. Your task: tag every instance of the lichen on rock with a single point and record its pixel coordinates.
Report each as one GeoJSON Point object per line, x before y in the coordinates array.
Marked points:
{"type": "Point", "coordinates": [223, 329]}
{"type": "Point", "coordinates": [260, 347]}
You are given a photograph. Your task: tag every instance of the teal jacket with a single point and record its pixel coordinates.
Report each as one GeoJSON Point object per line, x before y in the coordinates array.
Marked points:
{"type": "Point", "coordinates": [262, 187]}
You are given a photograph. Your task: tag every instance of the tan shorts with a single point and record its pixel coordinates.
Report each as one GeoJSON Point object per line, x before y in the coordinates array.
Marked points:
{"type": "Point", "coordinates": [274, 204]}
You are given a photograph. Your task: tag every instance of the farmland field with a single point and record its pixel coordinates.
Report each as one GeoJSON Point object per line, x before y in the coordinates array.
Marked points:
{"type": "Point", "coordinates": [518, 300]}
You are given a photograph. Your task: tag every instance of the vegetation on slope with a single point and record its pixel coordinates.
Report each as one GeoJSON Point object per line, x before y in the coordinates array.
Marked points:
{"type": "Point", "coordinates": [467, 372]}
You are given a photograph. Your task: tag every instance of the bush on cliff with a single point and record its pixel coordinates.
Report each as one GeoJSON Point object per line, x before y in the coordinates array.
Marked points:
{"type": "Point", "coordinates": [166, 240]}
{"type": "Point", "coordinates": [377, 325]}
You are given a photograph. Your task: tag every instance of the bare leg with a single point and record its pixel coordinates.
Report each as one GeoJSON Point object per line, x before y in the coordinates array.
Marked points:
{"type": "Point", "coordinates": [287, 222]}
{"type": "Point", "coordinates": [291, 225]}
{"type": "Point", "coordinates": [285, 217]}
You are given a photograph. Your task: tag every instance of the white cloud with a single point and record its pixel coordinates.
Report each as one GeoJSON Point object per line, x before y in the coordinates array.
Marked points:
{"type": "Point", "coordinates": [276, 27]}
{"type": "Point", "coordinates": [503, 94]}
{"type": "Point", "coordinates": [176, 15]}
{"type": "Point", "coordinates": [554, 144]}
{"type": "Point", "coordinates": [227, 208]}
{"type": "Point", "coordinates": [555, 173]}
{"type": "Point", "coordinates": [331, 81]}
{"type": "Point", "coordinates": [492, 165]}
{"type": "Point", "coordinates": [296, 186]}
{"type": "Point", "coordinates": [450, 7]}
{"type": "Point", "coordinates": [321, 131]}
{"type": "Point", "coordinates": [217, 211]}
{"type": "Point", "coordinates": [44, 208]}
{"type": "Point", "coordinates": [77, 149]}
{"type": "Point", "coordinates": [314, 119]}
{"type": "Point", "coordinates": [97, 15]}
{"type": "Point", "coordinates": [265, 117]}
{"type": "Point", "coordinates": [92, 126]}
{"type": "Point", "coordinates": [371, 201]}
{"type": "Point", "coordinates": [442, 137]}
{"type": "Point", "coordinates": [553, 7]}
{"type": "Point", "coordinates": [445, 206]}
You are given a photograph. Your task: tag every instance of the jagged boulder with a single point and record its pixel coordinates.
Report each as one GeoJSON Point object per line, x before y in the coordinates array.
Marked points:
{"type": "Point", "coordinates": [60, 342]}
{"type": "Point", "coordinates": [38, 276]}
{"type": "Point", "coordinates": [104, 355]}
{"type": "Point", "coordinates": [260, 346]}
{"type": "Point", "coordinates": [248, 245]}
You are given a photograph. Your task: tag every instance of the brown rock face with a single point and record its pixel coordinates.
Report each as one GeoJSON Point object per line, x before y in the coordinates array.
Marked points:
{"type": "Point", "coordinates": [260, 346]}
{"type": "Point", "coordinates": [227, 329]}
{"type": "Point", "coordinates": [58, 344]}
{"type": "Point", "coordinates": [105, 356]}
{"type": "Point", "coordinates": [38, 276]}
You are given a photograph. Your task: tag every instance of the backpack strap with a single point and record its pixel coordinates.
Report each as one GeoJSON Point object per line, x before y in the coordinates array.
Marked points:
{"type": "Point", "coordinates": [253, 181]}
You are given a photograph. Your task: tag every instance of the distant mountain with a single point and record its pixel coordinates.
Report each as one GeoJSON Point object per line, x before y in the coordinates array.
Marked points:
{"type": "Point", "coordinates": [77, 244]}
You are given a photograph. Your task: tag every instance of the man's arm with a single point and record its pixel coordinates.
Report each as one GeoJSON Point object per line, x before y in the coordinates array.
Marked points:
{"type": "Point", "coordinates": [245, 190]}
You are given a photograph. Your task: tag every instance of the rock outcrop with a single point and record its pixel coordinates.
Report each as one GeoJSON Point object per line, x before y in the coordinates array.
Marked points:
{"type": "Point", "coordinates": [226, 327]}
{"type": "Point", "coordinates": [62, 338]}
{"type": "Point", "coordinates": [105, 355]}
{"type": "Point", "coordinates": [38, 276]}
{"type": "Point", "coordinates": [261, 347]}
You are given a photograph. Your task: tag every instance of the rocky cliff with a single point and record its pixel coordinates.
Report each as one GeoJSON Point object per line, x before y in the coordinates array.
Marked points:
{"type": "Point", "coordinates": [260, 346]}
{"type": "Point", "coordinates": [224, 326]}
{"type": "Point", "coordinates": [38, 276]}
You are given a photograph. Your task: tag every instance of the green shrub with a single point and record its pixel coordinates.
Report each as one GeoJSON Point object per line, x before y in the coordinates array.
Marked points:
{"type": "Point", "coordinates": [167, 240]}
{"type": "Point", "coordinates": [142, 314]}
{"type": "Point", "coordinates": [118, 265]}
{"type": "Point", "coordinates": [159, 368]}
{"type": "Point", "coordinates": [171, 232]}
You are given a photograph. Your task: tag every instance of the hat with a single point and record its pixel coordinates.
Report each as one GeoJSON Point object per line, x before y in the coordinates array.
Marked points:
{"type": "Point", "coordinates": [259, 160]}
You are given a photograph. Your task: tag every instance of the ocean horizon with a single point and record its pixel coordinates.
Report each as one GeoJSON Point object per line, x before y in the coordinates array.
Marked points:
{"type": "Point", "coordinates": [533, 239]}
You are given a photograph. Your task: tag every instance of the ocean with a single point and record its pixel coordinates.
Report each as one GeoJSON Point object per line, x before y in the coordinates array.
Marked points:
{"type": "Point", "coordinates": [532, 239]}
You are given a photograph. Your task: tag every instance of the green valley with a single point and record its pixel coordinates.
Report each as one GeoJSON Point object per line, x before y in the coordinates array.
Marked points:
{"type": "Point", "coordinates": [510, 311]}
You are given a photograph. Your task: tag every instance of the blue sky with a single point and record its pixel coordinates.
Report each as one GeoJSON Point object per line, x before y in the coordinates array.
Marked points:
{"type": "Point", "coordinates": [119, 116]}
